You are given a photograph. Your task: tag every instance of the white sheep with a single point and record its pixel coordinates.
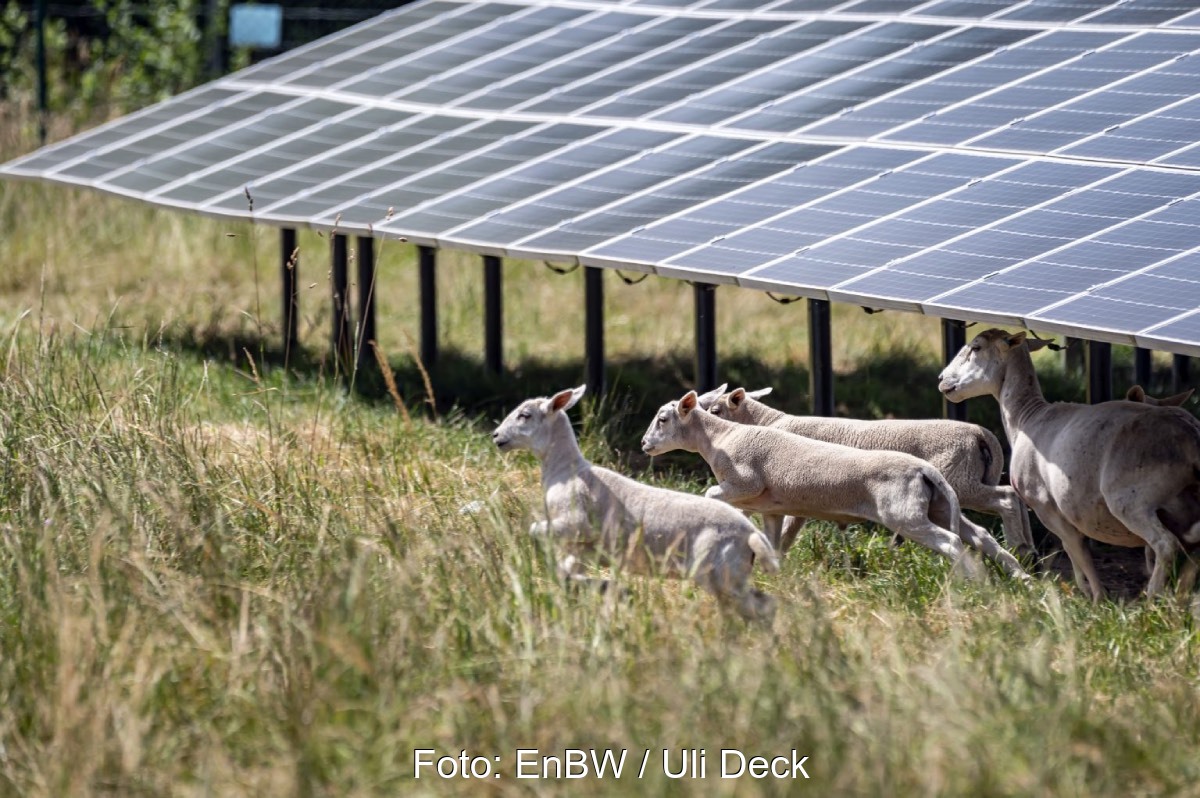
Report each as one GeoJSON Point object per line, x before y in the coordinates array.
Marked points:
{"type": "Point", "coordinates": [776, 473]}
{"type": "Point", "coordinates": [969, 456]}
{"type": "Point", "coordinates": [1125, 473]}
{"type": "Point", "coordinates": [596, 512]}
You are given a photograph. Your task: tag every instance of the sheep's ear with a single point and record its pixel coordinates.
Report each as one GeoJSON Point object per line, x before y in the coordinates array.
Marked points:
{"type": "Point", "coordinates": [687, 404]}
{"type": "Point", "coordinates": [737, 396]}
{"type": "Point", "coordinates": [761, 392]}
{"type": "Point", "coordinates": [565, 400]}
{"type": "Point", "coordinates": [707, 400]}
{"type": "Point", "coordinates": [1136, 394]}
{"type": "Point", "coordinates": [1182, 397]}
{"type": "Point", "coordinates": [1177, 400]}
{"type": "Point", "coordinates": [1015, 340]}
{"type": "Point", "coordinates": [1035, 344]}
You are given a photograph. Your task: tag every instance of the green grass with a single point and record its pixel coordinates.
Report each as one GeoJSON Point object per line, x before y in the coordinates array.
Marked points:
{"type": "Point", "coordinates": [224, 576]}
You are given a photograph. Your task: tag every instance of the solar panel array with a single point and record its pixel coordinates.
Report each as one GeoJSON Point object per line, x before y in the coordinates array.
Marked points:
{"type": "Point", "coordinates": [1029, 163]}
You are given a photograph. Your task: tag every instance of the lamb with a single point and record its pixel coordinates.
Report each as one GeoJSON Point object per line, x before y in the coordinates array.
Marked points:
{"type": "Point", "coordinates": [969, 456]}
{"type": "Point", "coordinates": [777, 473]}
{"type": "Point", "coordinates": [595, 511]}
{"type": "Point", "coordinates": [1125, 473]}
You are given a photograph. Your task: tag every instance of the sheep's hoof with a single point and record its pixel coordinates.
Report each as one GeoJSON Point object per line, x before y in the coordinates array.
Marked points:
{"type": "Point", "coordinates": [968, 566]}
{"type": "Point", "coordinates": [1027, 556]}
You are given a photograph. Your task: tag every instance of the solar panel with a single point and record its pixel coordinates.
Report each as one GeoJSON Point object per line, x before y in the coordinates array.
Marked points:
{"type": "Point", "coordinates": [1029, 162]}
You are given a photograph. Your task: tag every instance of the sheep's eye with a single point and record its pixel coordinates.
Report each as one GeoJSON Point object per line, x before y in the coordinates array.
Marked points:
{"type": "Point", "coordinates": [662, 419]}
{"type": "Point", "coordinates": [975, 348]}
{"type": "Point", "coordinates": [523, 415]}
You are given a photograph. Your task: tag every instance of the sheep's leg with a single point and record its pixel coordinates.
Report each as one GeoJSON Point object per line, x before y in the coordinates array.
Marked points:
{"type": "Point", "coordinates": [725, 572]}
{"type": "Point", "coordinates": [1003, 501]}
{"type": "Point", "coordinates": [1187, 576]}
{"type": "Point", "coordinates": [1166, 551]}
{"type": "Point", "coordinates": [572, 527]}
{"type": "Point", "coordinates": [755, 606]}
{"type": "Point", "coordinates": [1073, 544]}
{"type": "Point", "coordinates": [932, 536]}
{"type": "Point", "coordinates": [773, 529]}
{"type": "Point", "coordinates": [791, 529]}
{"type": "Point", "coordinates": [570, 570]}
{"type": "Point", "coordinates": [572, 530]}
{"type": "Point", "coordinates": [1026, 527]}
{"type": "Point", "coordinates": [938, 515]}
{"type": "Point", "coordinates": [1142, 520]}
{"type": "Point", "coordinates": [751, 604]}
{"type": "Point", "coordinates": [736, 495]}
{"type": "Point", "coordinates": [979, 538]}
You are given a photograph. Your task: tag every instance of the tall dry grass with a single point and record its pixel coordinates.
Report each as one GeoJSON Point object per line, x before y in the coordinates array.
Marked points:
{"type": "Point", "coordinates": [220, 576]}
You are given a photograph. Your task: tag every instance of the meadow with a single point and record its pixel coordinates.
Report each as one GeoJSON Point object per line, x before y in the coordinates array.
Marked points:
{"type": "Point", "coordinates": [224, 573]}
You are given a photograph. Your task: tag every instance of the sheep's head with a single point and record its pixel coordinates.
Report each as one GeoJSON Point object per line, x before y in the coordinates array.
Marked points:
{"type": "Point", "coordinates": [979, 366]}
{"type": "Point", "coordinates": [733, 406]}
{"type": "Point", "coordinates": [531, 424]}
{"type": "Point", "coordinates": [669, 429]}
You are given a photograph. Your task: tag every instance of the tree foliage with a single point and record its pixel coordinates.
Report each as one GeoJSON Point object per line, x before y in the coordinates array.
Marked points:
{"type": "Point", "coordinates": [105, 57]}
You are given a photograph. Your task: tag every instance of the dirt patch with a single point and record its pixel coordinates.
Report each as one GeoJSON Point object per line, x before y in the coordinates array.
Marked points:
{"type": "Point", "coordinates": [1122, 570]}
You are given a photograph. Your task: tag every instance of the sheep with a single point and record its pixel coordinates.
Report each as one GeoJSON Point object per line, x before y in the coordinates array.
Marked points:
{"type": "Point", "coordinates": [1138, 394]}
{"type": "Point", "coordinates": [598, 512]}
{"type": "Point", "coordinates": [1125, 473]}
{"type": "Point", "coordinates": [777, 473]}
{"type": "Point", "coordinates": [969, 456]}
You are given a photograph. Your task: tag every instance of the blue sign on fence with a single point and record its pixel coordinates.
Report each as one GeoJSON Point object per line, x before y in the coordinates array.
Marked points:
{"type": "Point", "coordinates": [258, 25]}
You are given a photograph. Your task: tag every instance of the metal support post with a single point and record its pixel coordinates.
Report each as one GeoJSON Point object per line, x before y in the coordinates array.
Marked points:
{"type": "Point", "coordinates": [1099, 372]}
{"type": "Point", "coordinates": [820, 358]}
{"type": "Point", "coordinates": [1142, 367]}
{"type": "Point", "coordinates": [954, 338]}
{"type": "Point", "coordinates": [289, 259]}
{"type": "Point", "coordinates": [493, 322]}
{"type": "Point", "coordinates": [1179, 373]}
{"type": "Point", "coordinates": [341, 340]}
{"type": "Point", "coordinates": [593, 300]}
{"type": "Point", "coordinates": [426, 265]}
{"type": "Point", "coordinates": [705, 295]}
{"type": "Point", "coordinates": [364, 341]}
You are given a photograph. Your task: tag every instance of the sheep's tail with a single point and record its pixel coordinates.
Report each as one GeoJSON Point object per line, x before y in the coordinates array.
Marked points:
{"type": "Point", "coordinates": [991, 454]}
{"type": "Point", "coordinates": [762, 548]}
{"type": "Point", "coordinates": [941, 493]}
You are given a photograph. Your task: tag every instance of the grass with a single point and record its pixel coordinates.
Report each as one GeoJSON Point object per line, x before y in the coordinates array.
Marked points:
{"type": "Point", "coordinates": [221, 575]}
